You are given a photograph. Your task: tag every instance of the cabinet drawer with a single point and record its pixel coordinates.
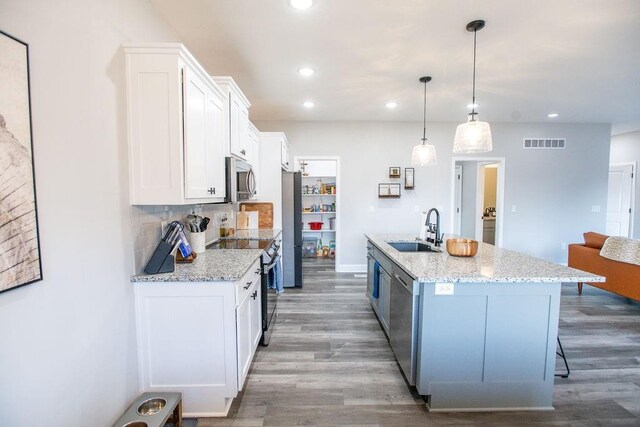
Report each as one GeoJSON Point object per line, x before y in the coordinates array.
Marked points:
{"type": "Point", "coordinates": [243, 286]}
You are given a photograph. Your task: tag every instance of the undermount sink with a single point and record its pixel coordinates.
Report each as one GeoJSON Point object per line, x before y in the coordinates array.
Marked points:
{"type": "Point", "coordinates": [413, 247]}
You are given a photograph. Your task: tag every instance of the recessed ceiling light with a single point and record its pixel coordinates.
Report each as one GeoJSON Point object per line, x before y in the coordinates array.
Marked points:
{"type": "Point", "coordinates": [306, 71]}
{"type": "Point", "coordinates": [308, 104]}
{"type": "Point", "coordinates": [552, 115]}
{"type": "Point", "coordinates": [301, 4]}
{"type": "Point", "coordinates": [391, 105]}
{"type": "Point", "coordinates": [470, 106]}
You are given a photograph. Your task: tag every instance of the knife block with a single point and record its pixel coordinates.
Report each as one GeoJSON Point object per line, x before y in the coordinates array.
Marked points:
{"type": "Point", "coordinates": [161, 261]}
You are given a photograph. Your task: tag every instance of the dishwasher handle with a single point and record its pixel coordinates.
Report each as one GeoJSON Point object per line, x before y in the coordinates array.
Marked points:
{"type": "Point", "coordinates": [402, 282]}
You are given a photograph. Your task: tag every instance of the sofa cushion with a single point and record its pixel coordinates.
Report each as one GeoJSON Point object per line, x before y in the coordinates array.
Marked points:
{"type": "Point", "coordinates": [594, 240]}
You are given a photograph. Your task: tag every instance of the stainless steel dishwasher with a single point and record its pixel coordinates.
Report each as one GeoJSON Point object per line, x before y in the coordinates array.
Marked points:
{"type": "Point", "coordinates": [403, 324]}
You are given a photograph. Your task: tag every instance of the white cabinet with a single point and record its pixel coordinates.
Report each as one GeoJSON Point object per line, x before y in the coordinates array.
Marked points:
{"type": "Point", "coordinates": [271, 172]}
{"type": "Point", "coordinates": [254, 156]}
{"type": "Point", "coordinates": [175, 127]}
{"type": "Point", "coordinates": [249, 308]}
{"type": "Point", "coordinates": [284, 155]}
{"type": "Point", "coordinates": [237, 117]}
{"type": "Point", "coordinates": [198, 338]}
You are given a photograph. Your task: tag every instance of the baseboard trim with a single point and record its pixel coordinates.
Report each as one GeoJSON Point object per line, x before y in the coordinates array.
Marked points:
{"type": "Point", "coordinates": [351, 268]}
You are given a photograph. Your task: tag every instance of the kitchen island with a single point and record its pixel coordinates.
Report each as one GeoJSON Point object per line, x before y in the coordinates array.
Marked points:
{"type": "Point", "coordinates": [474, 333]}
{"type": "Point", "coordinates": [198, 327]}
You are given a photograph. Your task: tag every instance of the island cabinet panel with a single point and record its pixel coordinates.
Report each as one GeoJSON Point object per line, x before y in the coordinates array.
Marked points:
{"type": "Point", "coordinates": [488, 346]}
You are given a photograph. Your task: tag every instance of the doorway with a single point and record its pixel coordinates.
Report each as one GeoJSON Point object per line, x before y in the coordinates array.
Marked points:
{"type": "Point", "coordinates": [320, 212]}
{"type": "Point", "coordinates": [620, 199]}
{"type": "Point", "coordinates": [478, 198]}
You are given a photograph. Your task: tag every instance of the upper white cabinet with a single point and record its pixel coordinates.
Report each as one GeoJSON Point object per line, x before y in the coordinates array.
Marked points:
{"type": "Point", "coordinates": [237, 113]}
{"type": "Point", "coordinates": [254, 156]}
{"type": "Point", "coordinates": [176, 120]}
{"type": "Point", "coordinates": [284, 154]}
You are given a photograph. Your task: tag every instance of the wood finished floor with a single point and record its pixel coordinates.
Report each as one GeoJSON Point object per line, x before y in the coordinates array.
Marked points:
{"type": "Point", "coordinates": [329, 363]}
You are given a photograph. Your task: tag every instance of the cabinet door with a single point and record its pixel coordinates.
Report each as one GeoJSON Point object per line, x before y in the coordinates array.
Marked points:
{"type": "Point", "coordinates": [243, 330]}
{"type": "Point", "coordinates": [243, 131]}
{"type": "Point", "coordinates": [234, 118]}
{"type": "Point", "coordinates": [284, 154]}
{"type": "Point", "coordinates": [385, 297]}
{"type": "Point", "coordinates": [215, 150]}
{"type": "Point", "coordinates": [195, 136]}
{"type": "Point", "coordinates": [256, 316]}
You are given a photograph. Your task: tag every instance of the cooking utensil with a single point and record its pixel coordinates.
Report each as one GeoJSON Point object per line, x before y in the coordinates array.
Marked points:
{"type": "Point", "coordinates": [205, 222]}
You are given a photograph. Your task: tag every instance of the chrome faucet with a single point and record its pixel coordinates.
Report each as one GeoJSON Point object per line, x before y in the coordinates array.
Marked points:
{"type": "Point", "coordinates": [437, 240]}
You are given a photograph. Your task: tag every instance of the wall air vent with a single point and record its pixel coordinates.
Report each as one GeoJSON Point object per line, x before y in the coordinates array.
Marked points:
{"type": "Point", "coordinates": [544, 143]}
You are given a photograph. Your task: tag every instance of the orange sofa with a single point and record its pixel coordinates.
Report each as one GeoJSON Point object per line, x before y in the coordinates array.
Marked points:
{"type": "Point", "coordinates": [622, 278]}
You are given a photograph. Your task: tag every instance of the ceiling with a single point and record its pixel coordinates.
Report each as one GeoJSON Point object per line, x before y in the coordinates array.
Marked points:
{"type": "Point", "coordinates": [579, 58]}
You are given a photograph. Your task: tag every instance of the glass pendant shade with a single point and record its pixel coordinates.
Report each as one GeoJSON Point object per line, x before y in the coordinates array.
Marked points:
{"type": "Point", "coordinates": [473, 137]}
{"type": "Point", "coordinates": [424, 155]}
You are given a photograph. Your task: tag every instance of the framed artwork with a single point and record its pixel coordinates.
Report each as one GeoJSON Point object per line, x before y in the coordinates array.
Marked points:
{"type": "Point", "coordinates": [388, 190]}
{"type": "Point", "coordinates": [409, 174]}
{"type": "Point", "coordinates": [19, 238]}
{"type": "Point", "coordinates": [394, 172]}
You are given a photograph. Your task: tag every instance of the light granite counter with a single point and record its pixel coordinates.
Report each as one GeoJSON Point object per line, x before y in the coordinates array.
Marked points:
{"type": "Point", "coordinates": [490, 265]}
{"type": "Point", "coordinates": [216, 265]}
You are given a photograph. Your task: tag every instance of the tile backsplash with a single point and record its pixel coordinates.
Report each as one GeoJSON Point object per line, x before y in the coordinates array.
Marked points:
{"type": "Point", "coordinates": [146, 226]}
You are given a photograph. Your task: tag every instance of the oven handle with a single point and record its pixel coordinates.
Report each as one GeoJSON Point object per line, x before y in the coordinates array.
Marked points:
{"type": "Point", "coordinates": [267, 268]}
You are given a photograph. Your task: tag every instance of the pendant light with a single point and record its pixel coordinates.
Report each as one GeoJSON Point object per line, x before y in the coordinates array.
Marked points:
{"type": "Point", "coordinates": [424, 154]}
{"type": "Point", "coordinates": [473, 136]}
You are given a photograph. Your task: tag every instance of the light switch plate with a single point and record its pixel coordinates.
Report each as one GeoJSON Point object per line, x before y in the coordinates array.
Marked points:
{"type": "Point", "coordinates": [444, 288]}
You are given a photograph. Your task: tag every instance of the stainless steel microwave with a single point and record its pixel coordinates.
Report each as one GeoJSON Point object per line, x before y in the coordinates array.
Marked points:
{"type": "Point", "coordinates": [240, 180]}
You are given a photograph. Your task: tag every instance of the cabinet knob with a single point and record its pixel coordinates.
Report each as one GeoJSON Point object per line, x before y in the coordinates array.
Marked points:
{"type": "Point", "coordinates": [257, 271]}
{"type": "Point", "coordinates": [254, 294]}
{"type": "Point", "coordinates": [243, 152]}
{"type": "Point", "coordinates": [248, 285]}
{"type": "Point", "coordinates": [211, 190]}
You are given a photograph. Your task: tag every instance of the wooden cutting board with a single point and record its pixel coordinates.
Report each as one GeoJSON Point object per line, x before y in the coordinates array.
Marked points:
{"type": "Point", "coordinates": [265, 212]}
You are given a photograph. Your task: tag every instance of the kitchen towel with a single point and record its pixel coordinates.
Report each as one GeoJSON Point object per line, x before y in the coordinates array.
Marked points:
{"type": "Point", "coordinates": [376, 280]}
{"type": "Point", "coordinates": [279, 279]}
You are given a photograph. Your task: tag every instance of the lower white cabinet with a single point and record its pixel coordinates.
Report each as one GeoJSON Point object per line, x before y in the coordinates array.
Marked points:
{"type": "Point", "coordinates": [198, 338]}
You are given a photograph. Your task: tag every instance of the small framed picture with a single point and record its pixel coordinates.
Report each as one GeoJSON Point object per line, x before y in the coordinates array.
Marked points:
{"type": "Point", "coordinates": [394, 172]}
{"type": "Point", "coordinates": [389, 190]}
{"type": "Point", "coordinates": [409, 178]}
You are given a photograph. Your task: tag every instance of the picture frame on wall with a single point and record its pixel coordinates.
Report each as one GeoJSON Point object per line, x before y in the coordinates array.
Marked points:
{"type": "Point", "coordinates": [20, 262]}
{"type": "Point", "coordinates": [409, 178]}
{"type": "Point", "coordinates": [388, 190]}
{"type": "Point", "coordinates": [394, 172]}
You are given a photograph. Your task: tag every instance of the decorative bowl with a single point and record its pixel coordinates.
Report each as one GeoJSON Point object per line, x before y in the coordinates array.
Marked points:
{"type": "Point", "coordinates": [462, 247]}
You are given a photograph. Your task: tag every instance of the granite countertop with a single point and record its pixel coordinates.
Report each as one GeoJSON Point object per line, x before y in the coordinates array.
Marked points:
{"type": "Point", "coordinates": [490, 265]}
{"type": "Point", "coordinates": [216, 265]}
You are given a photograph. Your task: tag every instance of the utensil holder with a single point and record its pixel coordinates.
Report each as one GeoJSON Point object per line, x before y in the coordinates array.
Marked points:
{"type": "Point", "coordinates": [197, 242]}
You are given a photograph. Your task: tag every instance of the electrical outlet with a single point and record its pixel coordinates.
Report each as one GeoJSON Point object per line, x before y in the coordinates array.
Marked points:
{"type": "Point", "coordinates": [513, 208]}
{"type": "Point", "coordinates": [563, 246]}
{"type": "Point", "coordinates": [595, 208]}
{"type": "Point", "coordinates": [416, 208]}
{"type": "Point", "coordinates": [371, 209]}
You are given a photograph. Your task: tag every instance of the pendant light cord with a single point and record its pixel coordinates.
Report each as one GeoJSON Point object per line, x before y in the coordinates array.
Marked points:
{"type": "Point", "coordinates": [473, 102]}
{"type": "Point", "coordinates": [424, 131]}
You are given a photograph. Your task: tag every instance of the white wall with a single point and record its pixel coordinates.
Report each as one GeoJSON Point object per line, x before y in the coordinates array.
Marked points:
{"type": "Point", "coordinates": [67, 343]}
{"type": "Point", "coordinates": [553, 190]}
{"type": "Point", "coordinates": [626, 148]}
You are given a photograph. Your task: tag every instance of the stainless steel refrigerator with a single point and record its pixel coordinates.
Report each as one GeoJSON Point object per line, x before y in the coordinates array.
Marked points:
{"type": "Point", "coordinates": [292, 229]}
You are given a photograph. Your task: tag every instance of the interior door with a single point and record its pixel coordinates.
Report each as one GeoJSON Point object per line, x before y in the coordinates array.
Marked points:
{"type": "Point", "coordinates": [457, 217]}
{"type": "Point", "coordinates": [619, 200]}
